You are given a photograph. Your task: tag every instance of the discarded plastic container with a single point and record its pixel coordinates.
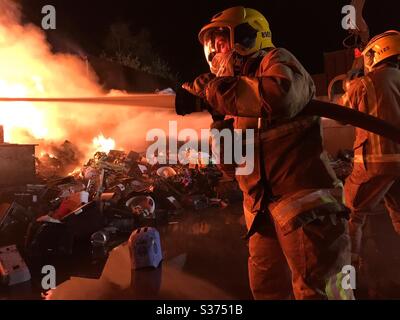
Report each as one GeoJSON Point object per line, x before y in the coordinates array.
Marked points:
{"type": "Point", "coordinates": [13, 269]}
{"type": "Point", "coordinates": [166, 172]}
{"type": "Point", "coordinates": [144, 206]}
{"type": "Point", "coordinates": [145, 247]}
{"type": "Point", "coordinates": [71, 203]}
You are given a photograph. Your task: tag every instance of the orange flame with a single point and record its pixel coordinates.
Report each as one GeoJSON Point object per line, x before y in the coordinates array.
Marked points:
{"type": "Point", "coordinates": [103, 144]}
{"type": "Point", "coordinates": [29, 68]}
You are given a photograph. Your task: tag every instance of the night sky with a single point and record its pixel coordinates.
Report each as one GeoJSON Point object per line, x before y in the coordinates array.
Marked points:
{"type": "Point", "coordinates": [307, 28]}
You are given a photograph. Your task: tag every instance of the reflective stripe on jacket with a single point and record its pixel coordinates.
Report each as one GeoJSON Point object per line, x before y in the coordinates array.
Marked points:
{"type": "Point", "coordinates": [303, 202]}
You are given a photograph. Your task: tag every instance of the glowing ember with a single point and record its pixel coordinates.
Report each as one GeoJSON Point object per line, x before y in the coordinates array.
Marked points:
{"type": "Point", "coordinates": [103, 144]}
{"type": "Point", "coordinates": [75, 172]}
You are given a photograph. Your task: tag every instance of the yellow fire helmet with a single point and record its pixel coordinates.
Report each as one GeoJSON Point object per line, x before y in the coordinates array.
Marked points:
{"type": "Point", "coordinates": [381, 47]}
{"type": "Point", "coordinates": [248, 29]}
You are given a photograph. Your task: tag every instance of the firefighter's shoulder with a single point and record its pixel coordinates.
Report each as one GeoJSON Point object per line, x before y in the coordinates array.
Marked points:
{"type": "Point", "coordinates": [280, 56]}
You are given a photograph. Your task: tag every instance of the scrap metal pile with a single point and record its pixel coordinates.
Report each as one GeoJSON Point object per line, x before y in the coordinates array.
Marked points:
{"type": "Point", "coordinates": [104, 200]}
{"type": "Point", "coordinates": [99, 204]}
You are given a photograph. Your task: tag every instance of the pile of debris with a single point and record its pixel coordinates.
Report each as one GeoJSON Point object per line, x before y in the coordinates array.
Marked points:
{"type": "Point", "coordinates": [104, 200]}
{"type": "Point", "coordinates": [100, 203]}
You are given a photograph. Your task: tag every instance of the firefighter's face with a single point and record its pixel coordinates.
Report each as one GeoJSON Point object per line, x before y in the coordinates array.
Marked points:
{"type": "Point", "coordinates": [222, 44]}
{"type": "Point", "coordinates": [216, 41]}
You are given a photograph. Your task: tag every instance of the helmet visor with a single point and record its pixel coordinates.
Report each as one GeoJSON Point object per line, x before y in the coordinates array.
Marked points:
{"type": "Point", "coordinates": [216, 40]}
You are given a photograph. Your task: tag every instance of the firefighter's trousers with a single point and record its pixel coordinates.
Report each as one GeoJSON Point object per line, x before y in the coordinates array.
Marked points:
{"type": "Point", "coordinates": [299, 263]}
{"type": "Point", "coordinates": [363, 192]}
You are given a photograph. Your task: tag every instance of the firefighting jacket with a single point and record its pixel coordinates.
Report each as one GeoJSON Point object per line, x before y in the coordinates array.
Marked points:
{"type": "Point", "coordinates": [377, 94]}
{"type": "Point", "coordinates": [291, 177]}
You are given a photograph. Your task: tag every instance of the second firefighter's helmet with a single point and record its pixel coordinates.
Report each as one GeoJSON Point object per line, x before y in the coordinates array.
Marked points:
{"type": "Point", "coordinates": [380, 48]}
{"type": "Point", "coordinates": [248, 29]}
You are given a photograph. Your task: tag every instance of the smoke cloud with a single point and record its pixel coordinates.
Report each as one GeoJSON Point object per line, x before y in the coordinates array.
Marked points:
{"type": "Point", "coordinates": [29, 68]}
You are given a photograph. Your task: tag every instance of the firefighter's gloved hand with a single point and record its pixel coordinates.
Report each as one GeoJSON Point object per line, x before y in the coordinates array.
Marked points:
{"type": "Point", "coordinates": [187, 103]}
{"type": "Point", "coordinates": [198, 86]}
{"type": "Point", "coordinates": [194, 100]}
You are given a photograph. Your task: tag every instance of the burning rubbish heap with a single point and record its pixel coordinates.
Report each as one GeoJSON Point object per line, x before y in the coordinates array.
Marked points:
{"type": "Point", "coordinates": [102, 202]}
{"type": "Point", "coordinates": [59, 161]}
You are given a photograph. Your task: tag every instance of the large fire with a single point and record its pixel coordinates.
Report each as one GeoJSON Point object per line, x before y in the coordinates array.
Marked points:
{"type": "Point", "coordinates": [29, 68]}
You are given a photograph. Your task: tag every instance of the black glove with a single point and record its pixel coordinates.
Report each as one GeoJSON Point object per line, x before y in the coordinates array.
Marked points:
{"type": "Point", "coordinates": [198, 86]}
{"type": "Point", "coordinates": [187, 103]}
{"type": "Point", "coordinates": [191, 97]}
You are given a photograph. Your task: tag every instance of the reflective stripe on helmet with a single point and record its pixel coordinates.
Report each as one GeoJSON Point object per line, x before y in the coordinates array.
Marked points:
{"type": "Point", "coordinates": [381, 47]}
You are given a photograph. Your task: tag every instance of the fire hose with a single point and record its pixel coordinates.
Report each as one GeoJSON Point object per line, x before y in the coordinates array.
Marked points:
{"type": "Point", "coordinates": [167, 102]}
{"type": "Point", "coordinates": [352, 117]}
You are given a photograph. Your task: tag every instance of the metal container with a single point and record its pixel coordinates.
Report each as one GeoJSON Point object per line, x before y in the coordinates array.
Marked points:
{"type": "Point", "coordinates": [17, 164]}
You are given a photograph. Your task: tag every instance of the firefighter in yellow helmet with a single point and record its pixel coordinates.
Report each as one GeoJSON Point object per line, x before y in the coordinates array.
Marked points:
{"type": "Point", "coordinates": [376, 173]}
{"type": "Point", "coordinates": [297, 230]}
